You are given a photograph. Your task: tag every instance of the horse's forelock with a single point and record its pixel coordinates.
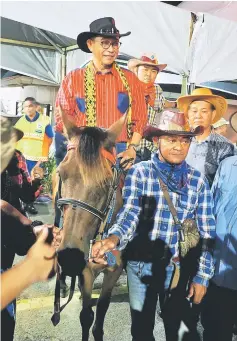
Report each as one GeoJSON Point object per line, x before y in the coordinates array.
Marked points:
{"type": "Point", "coordinates": [92, 165]}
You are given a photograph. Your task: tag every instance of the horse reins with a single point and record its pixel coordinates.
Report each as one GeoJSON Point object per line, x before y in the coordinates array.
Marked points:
{"type": "Point", "coordinates": [104, 216]}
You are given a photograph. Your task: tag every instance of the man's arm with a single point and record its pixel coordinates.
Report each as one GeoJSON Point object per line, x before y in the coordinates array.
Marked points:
{"type": "Point", "coordinates": [37, 265]}
{"type": "Point", "coordinates": [127, 219]}
{"type": "Point", "coordinates": [50, 134]}
{"type": "Point", "coordinates": [207, 230]}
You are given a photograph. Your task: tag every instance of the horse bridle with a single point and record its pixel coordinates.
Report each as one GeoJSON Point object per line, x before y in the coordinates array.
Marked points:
{"type": "Point", "coordinates": [104, 217]}
{"type": "Point", "coordinates": [101, 215]}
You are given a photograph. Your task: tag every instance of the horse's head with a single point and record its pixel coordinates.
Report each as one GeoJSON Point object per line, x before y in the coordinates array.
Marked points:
{"type": "Point", "coordinates": [86, 174]}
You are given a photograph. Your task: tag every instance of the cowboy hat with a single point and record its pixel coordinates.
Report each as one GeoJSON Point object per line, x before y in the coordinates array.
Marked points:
{"type": "Point", "coordinates": [103, 27]}
{"type": "Point", "coordinates": [12, 118]}
{"type": "Point", "coordinates": [145, 59]}
{"type": "Point", "coordinates": [9, 136]}
{"type": "Point", "coordinates": [233, 121]}
{"type": "Point", "coordinates": [220, 123]}
{"type": "Point", "coordinates": [204, 94]}
{"type": "Point", "coordinates": [170, 123]}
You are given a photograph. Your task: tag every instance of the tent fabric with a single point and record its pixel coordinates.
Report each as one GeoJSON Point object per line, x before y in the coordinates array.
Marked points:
{"type": "Point", "coordinates": [156, 27]}
{"type": "Point", "coordinates": [11, 29]}
{"type": "Point", "coordinates": [152, 24]}
{"type": "Point", "coordinates": [213, 50]}
{"type": "Point", "coordinates": [221, 9]}
{"type": "Point", "coordinates": [42, 64]}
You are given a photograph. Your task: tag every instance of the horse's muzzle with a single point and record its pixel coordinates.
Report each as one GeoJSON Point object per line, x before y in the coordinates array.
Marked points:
{"type": "Point", "coordinates": [72, 261]}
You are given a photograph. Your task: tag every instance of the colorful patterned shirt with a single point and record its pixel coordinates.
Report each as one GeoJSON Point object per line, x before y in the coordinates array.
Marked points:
{"type": "Point", "coordinates": [111, 98]}
{"type": "Point", "coordinates": [142, 181]}
{"type": "Point", "coordinates": [152, 112]}
{"type": "Point", "coordinates": [23, 166]}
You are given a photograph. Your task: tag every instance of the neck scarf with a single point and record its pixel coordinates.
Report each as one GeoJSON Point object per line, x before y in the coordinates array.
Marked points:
{"type": "Point", "coordinates": [90, 96]}
{"type": "Point", "coordinates": [174, 176]}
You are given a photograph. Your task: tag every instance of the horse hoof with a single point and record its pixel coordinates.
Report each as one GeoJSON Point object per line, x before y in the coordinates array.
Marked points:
{"type": "Point", "coordinates": [64, 292]}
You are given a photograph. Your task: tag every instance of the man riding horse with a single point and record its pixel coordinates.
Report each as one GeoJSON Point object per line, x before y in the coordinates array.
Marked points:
{"type": "Point", "coordinates": [99, 94]}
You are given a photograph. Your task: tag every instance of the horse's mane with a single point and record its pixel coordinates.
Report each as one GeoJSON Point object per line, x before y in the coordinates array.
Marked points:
{"type": "Point", "coordinates": [94, 168]}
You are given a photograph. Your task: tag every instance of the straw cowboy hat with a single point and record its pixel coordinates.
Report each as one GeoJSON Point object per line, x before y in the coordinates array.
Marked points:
{"type": "Point", "coordinates": [204, 94]}
{"type": "Point", "coordinates": [233, 121]}
{"type": "Point", "coordinates": [146, 59]}
{"type": "Point", "coordinates": [103, 27]}
{"type": "Point", "coordinates": [170, 123]}
{"type": "Point", "coordinates": [220, 123]}
{"type": "Point", "coordinates": [9, 136]}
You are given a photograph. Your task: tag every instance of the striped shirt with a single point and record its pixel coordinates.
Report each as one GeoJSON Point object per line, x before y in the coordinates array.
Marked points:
{"type": "Point", "coordinates": [152, 111]}
{"type": "Point", "coordinates": [109, 86]}
{"type": "Point", "coordinates": [142, 181]}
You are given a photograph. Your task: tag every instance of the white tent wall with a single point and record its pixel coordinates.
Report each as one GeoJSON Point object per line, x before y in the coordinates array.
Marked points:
{"type": "Point", "coordinates": [38, 63]}
{"type": "Point", "coordinates": [75, 59]}
{"type": "Point", "coordinates": [213, 50]}
{"type": "Point", "coordinates": [155, 27]}
{"type": "Point", "coordinates": [222, 9]}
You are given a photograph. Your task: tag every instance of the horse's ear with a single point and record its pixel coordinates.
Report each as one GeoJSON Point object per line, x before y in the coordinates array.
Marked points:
{"type": "Point", "coordinates": [116, 128]}
{"type": "Point", "coordinates": [69, 126]}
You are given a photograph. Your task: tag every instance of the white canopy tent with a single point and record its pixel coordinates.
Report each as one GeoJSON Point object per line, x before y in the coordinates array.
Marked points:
{"type": "Point", "coordinates": [155, 27]}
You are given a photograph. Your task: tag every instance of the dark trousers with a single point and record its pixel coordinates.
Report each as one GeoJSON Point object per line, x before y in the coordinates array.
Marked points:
{"type": "Point", "coordinates": [219, 313]}
{"type": "Point", "coordinates": [8, 323]}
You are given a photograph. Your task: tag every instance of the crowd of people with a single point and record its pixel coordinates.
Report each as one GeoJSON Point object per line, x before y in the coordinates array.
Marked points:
{"type": "Point", "coordinates": [177, 228]}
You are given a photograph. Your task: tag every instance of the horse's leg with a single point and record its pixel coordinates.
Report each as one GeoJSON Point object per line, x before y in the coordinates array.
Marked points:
{"type": "Point", "coordinates": [87, 314]}
{"type": "Point", "coordinates": [109, 281]}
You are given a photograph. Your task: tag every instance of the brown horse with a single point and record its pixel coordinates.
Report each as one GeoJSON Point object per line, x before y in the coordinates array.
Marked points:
{"type": "Point", "coordinates": [86, 174]}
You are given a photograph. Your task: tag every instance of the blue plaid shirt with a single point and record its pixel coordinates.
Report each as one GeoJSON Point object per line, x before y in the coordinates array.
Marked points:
{"type": "Point", "coordinates": [142, 180]}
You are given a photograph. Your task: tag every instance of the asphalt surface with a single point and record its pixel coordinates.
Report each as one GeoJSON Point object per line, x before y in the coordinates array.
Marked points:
{"type": "Point", "coordinates": [35, 308]}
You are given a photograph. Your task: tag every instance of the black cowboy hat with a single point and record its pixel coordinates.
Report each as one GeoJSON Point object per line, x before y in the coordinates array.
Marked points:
{"type": "Point", "coordinates": [170, 123]}
{"type": "Point", "coordinates": [103, 27]}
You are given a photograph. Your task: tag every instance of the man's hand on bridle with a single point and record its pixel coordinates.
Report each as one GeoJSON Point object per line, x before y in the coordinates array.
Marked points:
{"type": "Point", "coordinates": [101, 247]}
{"type": "Point", "coordinates": [126, 155]}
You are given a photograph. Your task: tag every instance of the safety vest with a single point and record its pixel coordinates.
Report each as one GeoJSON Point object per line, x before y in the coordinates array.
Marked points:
{"type": "Point", "coordinates": [34, 144]}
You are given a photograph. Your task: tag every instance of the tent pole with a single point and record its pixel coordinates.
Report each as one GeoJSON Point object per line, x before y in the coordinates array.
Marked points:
{"type": "Point", "coordinates": [49, 40]}
{"type": "Point", "coordinates": [64, 65]}
{"type": "Point", "coordinates": [191, 87]}
{"type": "Point", "coordinates": [25, 44]}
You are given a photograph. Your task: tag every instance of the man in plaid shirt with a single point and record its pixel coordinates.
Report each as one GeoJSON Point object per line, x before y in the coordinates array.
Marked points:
{"type": "Point", "coordinates": [146, 69]}
{"type": "Point", "coordinates": [145, 227]}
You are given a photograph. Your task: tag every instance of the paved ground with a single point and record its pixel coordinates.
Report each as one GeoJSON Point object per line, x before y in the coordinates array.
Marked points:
{"type": "Point", "coordinates": [35, 308]}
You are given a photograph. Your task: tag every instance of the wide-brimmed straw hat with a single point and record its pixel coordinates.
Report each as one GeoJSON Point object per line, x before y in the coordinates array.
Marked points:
{"type": "Point", "coordinates": [9, 136]}
{"type": "Point", "coordinates": [220, 123]}
{"type": "Point", "coordinates": [233, 121]}
{"type": "Point", "coordinates": [170, 123]}
{"type": "Point", "coordinates": [103, 27]}
{"type": "Point", "coordinates": [146, 59]}
{"type": "Point", "coordinates": [204, 94]}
